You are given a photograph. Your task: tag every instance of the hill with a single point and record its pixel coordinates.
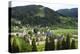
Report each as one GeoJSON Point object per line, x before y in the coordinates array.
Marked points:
{"type": "Point", "coordinates": [34, 15]}
{"type": "Point", "coordinates": [73, 12]}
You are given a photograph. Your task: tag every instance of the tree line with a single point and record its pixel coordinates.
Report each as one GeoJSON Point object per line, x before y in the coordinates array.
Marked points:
{"type": "Point", "coordinates": [50, 44]}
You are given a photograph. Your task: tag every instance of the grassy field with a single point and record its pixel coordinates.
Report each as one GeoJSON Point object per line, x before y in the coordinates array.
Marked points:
{"type": "Point", "coordinates": [65, 31]}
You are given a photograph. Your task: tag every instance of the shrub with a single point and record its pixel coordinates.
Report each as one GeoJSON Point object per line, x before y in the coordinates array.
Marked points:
{"type": "Point", "coordinates": [14, 47]}
{"type": "Point", "coordinates": [20, 45]}
{"type": "Point", "coordinates": [35, 30]}
{"type": "Point", "coordinates": [63, 44]}
{"type": "Point", "coordinates": [58, 45]}
{"type": "Point", "coordinates": [52, 44]}
{"type": "Point", "coordinates": [46, 44]}
{"type": "Point", "coordinates": [68, 42]}
{"type": "Point", "coordinates": [34, 48]}
{"type": "Point", "coordinates": [49, 44]}
{"type": "Point", "coordinates": [30, 33]}
{"type": "Point", "coordinates": [73, 46]}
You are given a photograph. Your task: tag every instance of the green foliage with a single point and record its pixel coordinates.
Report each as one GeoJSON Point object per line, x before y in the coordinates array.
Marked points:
{"type": "Point", "coordinates": [14, 47]}
{"type": "Point", "coordinates": [41, 47]}
{"type": "Point", "coordinates": [47, 44]}
{"type": "Point", "coordinates": [52, 44]}
{"type": "Point", "coordinates": [73, 46]}
{"type": "Point", "coordinates": [30, 33]}
{"type": "Point", "coordinates": [63, 44]}
{"type": "Point", "coordinates": [68, 41]}
{"type": "Point", "coordinates": [65, 31]}
{"type": "Point", "coordinates": [19, 45]}
{"type": "Point", "coordinates": [34, 47]}
{"type": "Point", "coordinates": [69, 12]}
{"type": "Point", "coordinates": [35, 30]}
{"type": "Point", "coordinates": [34, 15]}
{"type": "Point", "coordinates": [58, 45]}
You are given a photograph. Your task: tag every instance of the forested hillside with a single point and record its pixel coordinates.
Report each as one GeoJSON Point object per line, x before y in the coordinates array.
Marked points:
{"type": "Point", "coordinates": [34, 15]}
{"type": "Point", "coordinates": [69, 12]}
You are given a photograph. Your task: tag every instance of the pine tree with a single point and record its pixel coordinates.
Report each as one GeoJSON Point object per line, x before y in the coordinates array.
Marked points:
{"type": "Point", "coordinates": [73, 44]}
{"type": "Point", "coordinates": [68, 42]}
{"type": "Point", "coordinates": [47, 44]}
{"type": "Point", "coordinates": [63, 44]}
{"type": "Point", "coordinates": [34, 48]}
{"type": "Point", "coordinates": [15, 47]}
{"type": "Point", "coordinates": [52, 44]}
{"type": "Point", "coordinates": [58, 45]}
